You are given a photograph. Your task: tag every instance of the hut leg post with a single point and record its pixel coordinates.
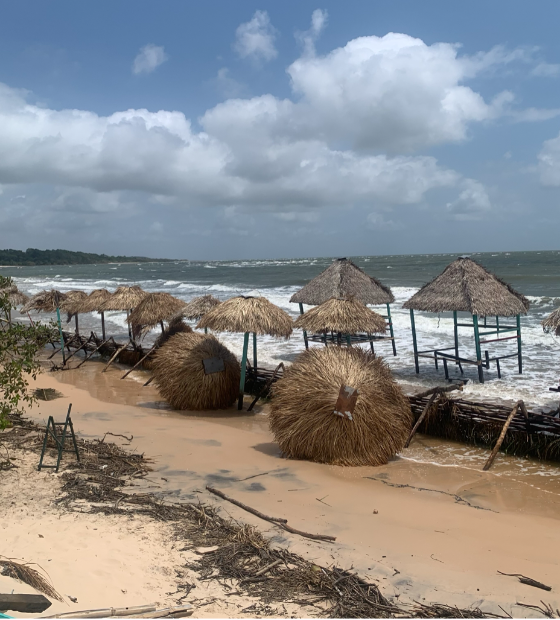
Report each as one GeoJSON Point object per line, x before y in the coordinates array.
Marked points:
{"type": "Point", "coordinates": [243, 369]}
{"type": "Point", "coordinates": [129, 326]}
{"type": "Point", "coordinates": [61, 335]}
{"type": "Point", "coordinates": [255, 351]}
{"type": "Point", "coordinates": [103, 325]}
{"type": "Point", "coordinates": [371, 345]}
{"type": "Point", "coordinates": [76, 321]}
{"type": "Point", "coordinates": [205, 330]}
{"type": "Point", "coordinates": [304, 332]}
{"type": "Point", "coordinates": [519, 352]}
{"type": "Point", "coordinates": [348, 340]}
{"type": "Point", "coordinates": [414, 343]}
{"type": "Point", "coordinates": [162, 326]}
{"type": "Point", "coordinates": [391, 331]}
{"type": "Point", "coordinates": [478, 351]}
{"type": "Point", "coordinates": [456, 333]}
{"type": "Point", "coordinates": [435, 360]}
{"type": "Point", "coordinates": [445, 369]}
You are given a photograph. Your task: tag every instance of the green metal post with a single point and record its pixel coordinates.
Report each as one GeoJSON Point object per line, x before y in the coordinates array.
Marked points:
{"type": "Point", "coordinates": [498, 324]}
{"type": "Point", "coordinates": [519, 354]}
{"type": "Point", "coordinates": [103, 324]}
{"type": "Point", "coordinates": [456, 333]}
{"type": "Point", "coordinates": [414, 344]}
{"type": "Point", "coordinates": [77, 326]}
{"type": "Point", "coordinates": [205, 330]}
{"type": "Point", "coordinates": [348, 340]}
{"type": "Point", "coordinates": [255, 351]}
{"type": "Point", "coordinates": [304, 332]}
{"type": "Point", "coordinates": [478, 351]}
{"type": "Point", "coordinates": [61, 335]}
{"type": "Point", "coordinates": [391, 329]}
{"type": "Point", "coordinates": [243, 369]}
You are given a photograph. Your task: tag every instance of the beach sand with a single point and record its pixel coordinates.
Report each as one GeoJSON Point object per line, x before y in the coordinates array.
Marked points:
{"type": "Point", "coordinates": [443, 538]}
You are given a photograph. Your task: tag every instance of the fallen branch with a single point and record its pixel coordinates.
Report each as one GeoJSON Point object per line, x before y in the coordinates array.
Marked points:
{"type": "Point", "coordinates": [439, 390]}
{"type": "Point", "coordinates": [528, 581]}
{"type": "Point", "coordinates": [501, 437]}
{"type": "Point", "coordinates": [421, 418]}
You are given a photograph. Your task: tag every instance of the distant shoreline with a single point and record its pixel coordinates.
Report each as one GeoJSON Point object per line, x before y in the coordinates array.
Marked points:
{"type": "Point", "coordinates": [37, 258]}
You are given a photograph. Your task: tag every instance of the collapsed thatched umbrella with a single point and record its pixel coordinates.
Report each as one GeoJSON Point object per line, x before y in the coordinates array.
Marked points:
{"type": "Point", "coordinates": [48, 301]}
{"type": "Point", "coordinates": [153, 310]}
{"type": "Point", "coordinates": [15, 298]}
{"type": "Point", "coordinates": [552, 322]}
{"type": "Point", "coordinates": [72, 297]}
{"type": "Point", "coordinates": [245, 315]}
{"type": "Point", "coordinates": [466, 286]}
{"type": "Point", "coordinates": [317, 415]}
{"type": "Point", "coordinates": [124, 299]}
{"type": "Point", "coordinates": [343, 316]}
{"type": "Point", "coordinates": [93, 303]}
{"type": "Point", "coordinates": [196, 308]}
{"type": "Point", "coordinates": [196, 371]}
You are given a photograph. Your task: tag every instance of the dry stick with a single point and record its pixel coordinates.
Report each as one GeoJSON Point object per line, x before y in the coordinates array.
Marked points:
{"type": "Point", "coordinates": [149, 381]}
{"type": "Point", "coordinates": [115, 356]}
{"type": "Point", "coordinates": [421, 418]}
{"type": "Point", "coordinates": [501, 437]}
{"type": "Point", "coordinates": [94, 351]}
{"type": "Point", "coordinates": [528, 581]}
{"type": "Point", "coordinates": [262, 571]}
{"type": "Point", "coordinates": [280, 522]}
{"type": "Point", "coordinates": [139, 362]}
{"type": "Point", "coordinates": [78, 349]}
{"type": "Point", "coordinates": [441, 390]}
{"type": "Point", "coordinates": [266, 386]}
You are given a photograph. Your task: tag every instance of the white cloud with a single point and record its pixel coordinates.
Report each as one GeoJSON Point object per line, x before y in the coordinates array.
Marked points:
{"type": "Point", "coordinates": [545, 69]}
{"type": "Point", "coordinates": [308, 38]}
{"type": "Point", "coordinates": [149, 58]}
{"type": "Point", "coordinates": [255, 39]}
{"type": "Point", "coordinates": [472, 203]}
{"type": "Point", "coordinates": [549, 162]}
{"type": "Point", "coordinates": [534, 115]}
{"type": "Point", "coordinates": [227, 85]}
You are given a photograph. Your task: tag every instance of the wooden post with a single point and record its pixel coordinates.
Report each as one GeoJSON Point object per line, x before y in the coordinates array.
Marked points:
{"type": "Point", "coordinates": [414, 343]}
{"type": "Point", "coordinates": [478, 352]}
{"type": "Point", "coordinates": [76, 321]}
{"type": "Point", "coordinates": [421, 418]}
{"type": "Point", "coordinates": [304, 332]}
{"type": "Point", "coordinates": [501, 437]}
{"type": "Point", "coordinates": [114, 356]}
{"type": "Point", "coordinates": [61, 335]}
{"type": "Point", "coordinates": [255, 351]}
{"type": "Point", "coordinates": [103, 325]}
{"type": "Point", "coordinates": [129, 326]}
{"type": "Point", "coordinates": [162, 326]}
{"type": "Point", "coordinates": [243, 369]}
{"type": "Point", "coordinates": [138, 362]}
{"type": "Point", "coordinates": [456, 333]}
{"type": "Point", "coordinates": [391, 331]}
{"type": "Point", "coordinates": [519, 354]}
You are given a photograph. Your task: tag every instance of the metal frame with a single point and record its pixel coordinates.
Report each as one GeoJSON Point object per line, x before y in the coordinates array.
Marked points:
{"type": "Point", "coordinates": [479, 362]}
{"type": "Point", "coordinates": [59, 440]}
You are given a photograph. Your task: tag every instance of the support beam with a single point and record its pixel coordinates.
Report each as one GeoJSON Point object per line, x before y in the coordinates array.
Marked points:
{"type": "Point", "coordinates": [103, 325]}
{"type": "Point", "coordinates": [61, 335]}
{"type": "Point", "coordinates": [304, 332]}
{"type": "Point", "coordinates": [391, 329]}
{"type": "Point", "coordinates": [478, 351]}
{"type": "Point", "coordinates": [243, 371]}
{"type": "Point", "coordinates": [255, 351]}
{"type": "Point", "coordinates": [414, 343]}
{"type": "Point", "coordinates": [138, 362]}
{"type": "Point", "coordinates": [519, 350]}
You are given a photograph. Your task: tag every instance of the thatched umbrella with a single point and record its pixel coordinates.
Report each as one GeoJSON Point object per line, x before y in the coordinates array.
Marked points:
{"type": "Point", "coordinates": [15, 298]}
{"type": "Point", "coordinates": [343, 316]}
{"type": "Point", "coordinates": [196, 371]}
{"type": "Point", "coordinates": [245, 315]}
{"type": "Point", "coordinates": [344, 279]}
{"type": "Point", "coordinates": [154, 309]}
{"type": "Point", "coordinates": [72, 297]}
{"type": "Point", "coordinates": [196, 308]}
{"type": "Point", "coordinates": [48, 301]}
{"type": "Point", "coordinates": [315, 414]}
{"type": "Point", "coordinates": [93, 303]}
{"type": "Point", "coordinates": [466, 286]}
{"type": "Point", "coordinates": [125, 298]}
{"type": "Point", "coordinates": [552, 322]}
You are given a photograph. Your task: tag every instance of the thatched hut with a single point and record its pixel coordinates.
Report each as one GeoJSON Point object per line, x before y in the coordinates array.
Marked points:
{"type": "Point", "coordinates": [48, 301]}
{"type": "Point", "coordinates": [15, 298]}
{"type": "Point", "coordinates": [343, 317]}
{"type": "Point", "coordinates": [340, 406]}
{"type": "Point", "coordinates": [153, 310]}
{"type": "Point", "coordinates": [196, 308]}
{"type": "Point", "coordinates": [124, 299]}
{"type": "Point", "coordinates": [195, 371]}
{"type": "Point", "coordinates": [245, 315]}
{"type": "Point", "coordinates": [552, 322]}
{"type": "Point", "coordinates": [72, 297]}
{"type": "Point", "coordinates": [344, 279]}
{"type": "Point", "coordinates": [466, 286]}
{"type": "Point", "coordinates": [93, 303]}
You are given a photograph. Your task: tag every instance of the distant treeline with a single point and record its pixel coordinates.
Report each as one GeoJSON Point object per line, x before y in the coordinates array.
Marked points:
{"type": "Point", "coordinates": [32, 256]}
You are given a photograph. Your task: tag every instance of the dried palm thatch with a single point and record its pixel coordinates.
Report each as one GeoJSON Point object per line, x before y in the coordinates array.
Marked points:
{"type": "Point", "coordinates": [124, 298]}
{"type": "Point", "coordinates": [248, 314]}
{"type": "Point", "coordinates": [72, 303]}
{"type": "Point", "coordinates": [199, 306]}
{"type": "Point", "coordinates": [347, 316]}
{"type": "Point", "coordinates": [15, 296]}
{"type": "Point", "coordinates": [552, 322]}
{"type": "Point", "coordinates": [94, 301]}
{"type": "Point", "coordinates": [153, 309]}
{"type": "Point", "coordinates": [302, 416]}
{"type": "Point", "coordinates": [44, 301]}
{"type": "Point", "coordinates": [180, 376]}
{"type": "Point", "coordinates": [32, 577]}
{"type": "Point", "coordinates": [466, 286]}
{"type": "Point", "coordinates": [343, 279]}
{"type": "Point", "coordinates": [176, 326]}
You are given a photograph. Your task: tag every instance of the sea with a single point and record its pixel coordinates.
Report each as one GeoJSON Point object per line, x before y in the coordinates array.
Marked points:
{"type": "Point", "coordinates": [535, 274]}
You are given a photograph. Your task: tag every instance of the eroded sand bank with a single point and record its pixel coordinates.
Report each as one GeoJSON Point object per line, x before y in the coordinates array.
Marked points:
{"type": "Point", "coordinates": [442, 545]}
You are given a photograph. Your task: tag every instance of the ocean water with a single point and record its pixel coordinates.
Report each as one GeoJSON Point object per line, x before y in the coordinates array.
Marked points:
{"type": "Point", "coordinates": [535, 274]}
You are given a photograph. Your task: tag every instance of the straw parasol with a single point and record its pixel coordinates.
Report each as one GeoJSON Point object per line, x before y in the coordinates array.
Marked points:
{"type": "Point", "coordinates": [153, 310]}
{"type": "Point", "coordinates": [15, 298]}
{"type": "Point", "coordinates": [93, 303]}
{"type": "Point", "coordinates": [309, 419]}
{"type": "Point", "coordinates": [343, 279]}
{"type": "Point", "coordinates": [344, 316]}
{"type": "Point", "coordinates": [199, 306]}
{"type": "Point", "coordinates": [44, 301]}
{"type": "Point", "coordinates": [245, 315]}
{"type": "Point", "coordinates": [552, 322]}
{"type": "Point", "coordinates": [466, 286]}
{"type": "Point", "coordinates": [72, 297]}
{"type": "Point", "coordinates": [125, 298]}
{"type": "Point", "coordinates": [196, 371]}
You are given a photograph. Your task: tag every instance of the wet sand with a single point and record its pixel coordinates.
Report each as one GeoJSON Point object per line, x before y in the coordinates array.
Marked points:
{"type": "Point", "coordinates": [443, 541]}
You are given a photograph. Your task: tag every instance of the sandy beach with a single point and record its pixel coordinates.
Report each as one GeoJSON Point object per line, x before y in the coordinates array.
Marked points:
{"type": "Point", "coordinates": [423, 531]}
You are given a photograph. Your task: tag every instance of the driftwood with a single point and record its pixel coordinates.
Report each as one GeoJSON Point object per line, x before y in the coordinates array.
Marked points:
{"type": "Point", "coordinates": [114, 357]}
{"type": "Point", "coordinates": [139, 362]}
{"type": "Point", "coordinates": [528, 581]}
{"type": "Point", "coordinates": [501, 437]}
{"type": "Point", "coordinates": [24, 603]}
{"type": "Point", "coordinates": [279, 522]}
{"type": "Point", "coordinates": [140, 611]}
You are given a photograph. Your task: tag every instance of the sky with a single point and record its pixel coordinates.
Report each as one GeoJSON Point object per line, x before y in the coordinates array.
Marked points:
{"type": "Point", "coordinates": [223, 130]}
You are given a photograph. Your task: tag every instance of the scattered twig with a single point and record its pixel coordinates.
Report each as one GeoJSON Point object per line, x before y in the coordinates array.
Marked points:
{"type": "Point", "coordinates": [545, 610]}
{"type": "Point", "coordinates": [249, 477]}
{"type": "Point", "coordinates": [322, 502]}
{"type": "Point", "coordinates": [129, 439]}
{"type": "Point", "coordinates": [528, 581]}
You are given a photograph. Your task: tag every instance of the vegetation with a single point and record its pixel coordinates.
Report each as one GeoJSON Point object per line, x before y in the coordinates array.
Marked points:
{"type": "Point", "coordinates": [32, 256]}
{"type": "Point", "coordinates": [19, 346]}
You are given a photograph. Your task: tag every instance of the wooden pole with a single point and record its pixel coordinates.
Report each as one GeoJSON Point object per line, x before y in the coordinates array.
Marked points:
{"type": "Point", "coordinates": [456, 333]}
{"type": "Point", "coordinates": [114, 356]}
{"type": "Point", "coordinates": [501, 437]}
{"type": "Point", "coordinates": [78, 349]}
{"type": "Point", "coordinates": [304, 332]}
{"type": "Point", "coordinates": [391, 331]}
{"type": "Point", "coordinates": [519, 353]}
{"type": "Point", "coordinates": [61, 335]}
{"type": "Point", "coordinates": [414, 343]}
{"type": "Point", "coordinates": [478, 351]}
{"type": "Point", "coordinates": [103, 325]}
{"type": "Point", "coordinates": [76, 321]}
{"type": "Point", "coordinates": [255, 351]}
{"type": "Point", "coordinates": [129, 326]}
{"type": "Point", "coordinates": [94, 351]}
{"type": "Point", "coordinates": [421, 418]}
{"type": "Point", "coordinates": [243, 370]}
{"type": "Point", "coordinates": [138, 363]}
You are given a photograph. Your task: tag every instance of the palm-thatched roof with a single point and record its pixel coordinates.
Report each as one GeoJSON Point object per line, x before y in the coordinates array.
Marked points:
{"type": "Point", "coordinates": [199, 306]}
{"type": "Point", "coordinates": [348, 316]}
{"type": "Point", "coordinates": [307, 425]}
{"type": "Point", "coordinates": [154, 308]}
{"type": "Point", "coordinates": [124, 298]}
{"type": "Point", "coordinates": [44, 301]}
{"type": "Point", "coordinates": [248, 314]}
{"type": "Point", "coordinates": [343, 279]}
{"type": "Point", "coordinates": [15, 296]}
{"type": "Point", "coordinates": [93, 302]}
{"type": "Point", "coordinates": [466, 286]}
{"type": "Point", "coordinates": [552, 322]}
{"type": "Point", "coordinates": [72, 302]}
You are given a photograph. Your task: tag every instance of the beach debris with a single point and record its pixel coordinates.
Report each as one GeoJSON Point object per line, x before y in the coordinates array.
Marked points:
{"type": "Point", "coordinates": [283, 523]}
{"type": "Point", "coordinates": [203, 550]}
{"type": "Point", "coordinates": [516, 408]}
{"type": "Point", "coordinates": [73, 598]}
{"type": "Point", "coordinates": [24, 603]}
{"type": "Point", "coordinates": [305, 399]}
{"type": "Point", "coordinates": [57, 433]}
{"type": "Point", "coordinates": [25, 573]}
{"type": "Point", "coordinates": [527, 581]}
{"type": "Point", "coordinates": [47, 394]}
{"type": "Point", "coordinates": [140, 611]}
{"type": "Point", "coordinates": [546, 609]}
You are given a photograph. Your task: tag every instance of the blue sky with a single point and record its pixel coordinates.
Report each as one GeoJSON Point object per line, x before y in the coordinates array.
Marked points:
{"type": "Point", "coordinates": [217, 130]}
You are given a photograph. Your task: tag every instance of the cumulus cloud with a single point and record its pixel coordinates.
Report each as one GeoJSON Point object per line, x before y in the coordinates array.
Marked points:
{"type": "Point", "coordinates": [472, 203]}
{"type": "Point", "coordinates": [255, 39]}
{"type": "Point", "coordinates": [549, 162]}
{"type": "Point", "coordinates": [545, 69]}
{"type": "Point", "coordinates": [309, 37]}
{"type": "Point", "coordinates": [148, 59]}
